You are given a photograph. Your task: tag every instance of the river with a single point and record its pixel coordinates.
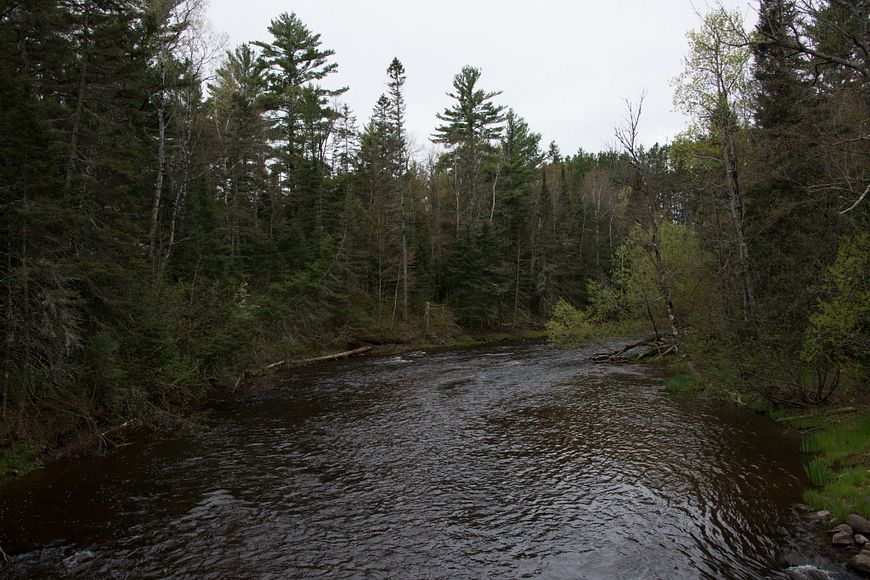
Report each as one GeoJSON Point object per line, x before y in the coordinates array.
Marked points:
{"type": "Point", "coordinates": [509, 461]}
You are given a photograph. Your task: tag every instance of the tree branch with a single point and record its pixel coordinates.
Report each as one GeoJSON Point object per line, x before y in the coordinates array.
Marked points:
{"type": "Point", "coordinates": [857, 201]}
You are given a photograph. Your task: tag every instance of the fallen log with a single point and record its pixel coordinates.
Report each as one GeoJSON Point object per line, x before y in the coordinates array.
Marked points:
{"type": "Point", "coordinates": [814, 415]}
{"type": "Point", "coordinates": [329, 357]}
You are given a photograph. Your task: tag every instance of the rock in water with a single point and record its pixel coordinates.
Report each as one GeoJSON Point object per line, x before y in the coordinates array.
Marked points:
{"type": "Point", "coordinates": [842, 539]}
{"type": "Point", "coordinates": [861, 563]}
{"type": "Point", "coordinates": [844, 528]}
{"type": "Point", "coordinates": [807, 573]}
{"type": "Point", "coordinates": [860, 539]}
{"type": "Point", "coordinates": [859, 524]}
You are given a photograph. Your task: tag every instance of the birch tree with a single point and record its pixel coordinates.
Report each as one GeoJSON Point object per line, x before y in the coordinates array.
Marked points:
{"type": "Point", "coordinates": [714, 89]}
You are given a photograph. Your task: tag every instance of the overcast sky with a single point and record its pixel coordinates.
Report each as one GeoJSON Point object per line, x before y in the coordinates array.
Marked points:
{"type": "Point", "coordinates": [566, 66]}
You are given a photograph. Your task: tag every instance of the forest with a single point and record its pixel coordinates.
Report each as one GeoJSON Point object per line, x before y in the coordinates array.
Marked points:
{"type": "Point", "coordinates": [176, 214]}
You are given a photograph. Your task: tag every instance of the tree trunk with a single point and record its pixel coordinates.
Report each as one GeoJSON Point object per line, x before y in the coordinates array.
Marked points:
{"type": "Point", "coordinates": [494, 185]}
{"type": "Point", "coordinates": [517, 283]}
{"type": "Point", "coordinates": [737, 215]}
{"type": "Point", "coordinates": [404, 272]}
{"type": "Point", "coordinates": [181, 190]}
{"type": "Point", "coordinates": [24, 385]}
{"type": "Point", "coordinates": [77, 117]}
{"type": "Point", "coordinates": [234, 217]}
{"type": "Point", "coordinates": [161, 158]}
{"type": "Point", "coordinates": [665, 290]}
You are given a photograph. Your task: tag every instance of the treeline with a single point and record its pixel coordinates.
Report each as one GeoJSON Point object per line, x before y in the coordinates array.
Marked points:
{"type": "Point", "coordinates": [174, 215]}
{"type": "Point", "coordinates": [749, 246]}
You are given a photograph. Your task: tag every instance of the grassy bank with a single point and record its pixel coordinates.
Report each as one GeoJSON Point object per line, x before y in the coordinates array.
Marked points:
{"type": "Point", "coordinates": [837, 448]}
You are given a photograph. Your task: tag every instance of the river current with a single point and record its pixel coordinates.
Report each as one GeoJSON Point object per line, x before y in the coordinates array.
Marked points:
{"type": "Point", "coordinates": [505, 462]}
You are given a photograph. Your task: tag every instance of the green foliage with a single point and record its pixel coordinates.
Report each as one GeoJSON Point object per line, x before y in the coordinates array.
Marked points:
{"type": "Point", "coordinates": [568, 325]}
{"type": "Point", "coordinates": [839, 332]}
{"type": "Point", "coordinates": [472, 269]}
{"type": "Point", "coordinates": [439, 323]}
{"type": "Point", "coordinates": [474, 119]}
{"type": "Point", "coordinates": [632, 300]}
{"type": "Point", "coordinates": [716, 81]}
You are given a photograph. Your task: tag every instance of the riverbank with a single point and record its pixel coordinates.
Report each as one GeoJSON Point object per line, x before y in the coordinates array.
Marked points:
{"type": "Point", "coordinates": [22, 457]}
{"type": "Point", "coordinates": [836, 446]}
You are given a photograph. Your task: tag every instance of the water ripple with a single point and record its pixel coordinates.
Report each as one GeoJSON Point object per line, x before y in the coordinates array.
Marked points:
{"type": "Point", "coordinates": [502, 462]}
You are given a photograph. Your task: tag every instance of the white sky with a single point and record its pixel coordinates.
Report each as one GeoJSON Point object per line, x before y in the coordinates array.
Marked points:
{"type": "Point", "coordinates": [565, 66]}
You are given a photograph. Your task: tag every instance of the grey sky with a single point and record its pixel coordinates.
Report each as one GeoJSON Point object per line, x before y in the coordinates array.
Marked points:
{"type": "Point", "coordinates": [565, 66]}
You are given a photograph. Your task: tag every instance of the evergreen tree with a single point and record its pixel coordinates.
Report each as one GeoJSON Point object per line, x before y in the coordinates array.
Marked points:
{"type": "Point", "coordinates": [293, 65]}
{"type": "Point", "coordinates": [468, 129]}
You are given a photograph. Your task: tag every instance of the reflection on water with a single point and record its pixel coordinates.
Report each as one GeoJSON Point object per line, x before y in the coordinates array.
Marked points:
{"type": "Point", "coordinates": [516, 461]}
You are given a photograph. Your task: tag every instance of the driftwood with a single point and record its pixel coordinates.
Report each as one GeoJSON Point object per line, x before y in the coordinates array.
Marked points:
{"type": "Point", "coordinates": [650, 347]}
{"type": "Point", "coordinates": [329, 357]}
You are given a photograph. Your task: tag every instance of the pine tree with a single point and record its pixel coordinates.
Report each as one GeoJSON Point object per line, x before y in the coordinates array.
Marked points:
{"type": "Point", "coordinates": [468, 129]}
{"type": "Point", "coordinates": [293, 65]}
{"type": "Point", "coordinates": [396, 84]}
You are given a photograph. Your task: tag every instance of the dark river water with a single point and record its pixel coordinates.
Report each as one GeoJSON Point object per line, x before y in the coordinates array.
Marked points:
{"type": "Point", "coordinates": [506, 462]}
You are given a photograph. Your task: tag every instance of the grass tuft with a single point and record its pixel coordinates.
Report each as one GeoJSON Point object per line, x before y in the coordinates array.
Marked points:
{"type": "Point", "coordinates": [818, 472]}
{"type": "Point", "coordinates": [680, 384]}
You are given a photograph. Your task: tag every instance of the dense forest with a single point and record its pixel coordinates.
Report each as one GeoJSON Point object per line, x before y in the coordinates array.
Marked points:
{"type": "Point", "coordinates": [175, 214]}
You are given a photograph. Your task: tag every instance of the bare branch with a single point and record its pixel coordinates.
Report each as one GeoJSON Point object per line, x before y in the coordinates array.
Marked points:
{"type": "Point", "coordinates": [857, 201]}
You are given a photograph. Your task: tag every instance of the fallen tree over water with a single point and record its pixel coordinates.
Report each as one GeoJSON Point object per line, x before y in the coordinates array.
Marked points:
{"type": "Point", "coordinates": [317, 359]}
{"type": "Point", "coordinates": [302, 362]}
{"type": "Point", "coordinates": [650, 347]}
